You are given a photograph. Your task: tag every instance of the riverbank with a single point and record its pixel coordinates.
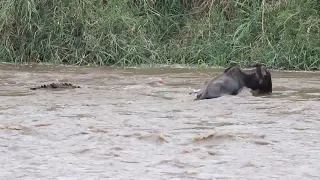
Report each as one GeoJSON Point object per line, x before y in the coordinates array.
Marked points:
{"type": "Point", "coordinates": [128, 33]}
{"type": "Point", "coordinates": [192, 68]}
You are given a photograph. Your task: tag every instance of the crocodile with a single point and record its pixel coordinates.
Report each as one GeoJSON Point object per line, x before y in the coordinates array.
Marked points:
{"type": "Point", "coordinates": [56, 86]}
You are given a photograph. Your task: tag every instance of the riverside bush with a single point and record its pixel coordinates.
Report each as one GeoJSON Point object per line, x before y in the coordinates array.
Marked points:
{"type": "Point", "coordinates": [280, 33]}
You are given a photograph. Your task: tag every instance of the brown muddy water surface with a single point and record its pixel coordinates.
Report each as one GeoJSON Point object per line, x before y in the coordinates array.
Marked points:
{"type": "Point", "coordinates": [126, 124]}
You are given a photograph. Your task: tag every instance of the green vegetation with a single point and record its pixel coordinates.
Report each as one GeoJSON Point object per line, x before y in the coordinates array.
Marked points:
{"type": "Point", "coordinates": [280, 33]}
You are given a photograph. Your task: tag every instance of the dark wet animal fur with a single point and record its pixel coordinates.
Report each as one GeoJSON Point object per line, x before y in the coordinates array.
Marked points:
{"type": "Point", "coordinates": [233, 79]}
{"type": "Point", "coordinates": [56, 86]}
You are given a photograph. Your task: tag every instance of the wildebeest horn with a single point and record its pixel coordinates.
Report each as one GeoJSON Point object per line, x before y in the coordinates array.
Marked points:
{"type": "Point", "coordinates": [263, 71]}
{"type": "Point", "coordinates": [227, 69]}
{"type": "Point", "coordinates": [256, 64]}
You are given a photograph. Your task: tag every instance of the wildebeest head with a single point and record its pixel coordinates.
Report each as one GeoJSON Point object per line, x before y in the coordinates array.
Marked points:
{"type": "Point", "coordinates": [262, 82]}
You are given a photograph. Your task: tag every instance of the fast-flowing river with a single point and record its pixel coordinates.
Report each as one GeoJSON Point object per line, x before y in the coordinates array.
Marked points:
{"type": "Point", "coordinates": [143, 124]}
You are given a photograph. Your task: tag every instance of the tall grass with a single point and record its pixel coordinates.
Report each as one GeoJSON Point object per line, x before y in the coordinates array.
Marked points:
{"type": "Point", "coordinates": [280, 33]}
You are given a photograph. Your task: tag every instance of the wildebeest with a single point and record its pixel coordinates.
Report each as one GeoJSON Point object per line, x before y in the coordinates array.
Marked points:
{"type": "Point", "coordinates": [233, 79]}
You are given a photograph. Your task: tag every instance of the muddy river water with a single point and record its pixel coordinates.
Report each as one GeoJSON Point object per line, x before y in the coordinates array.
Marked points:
{"type": "Point", "coordinates": [129, 124]}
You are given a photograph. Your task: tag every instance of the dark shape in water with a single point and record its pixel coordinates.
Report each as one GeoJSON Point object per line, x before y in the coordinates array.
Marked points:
{"type": "Point", "coordinates": [233, 79]}
{"type": "Point", "coordinates": [56, 86]}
